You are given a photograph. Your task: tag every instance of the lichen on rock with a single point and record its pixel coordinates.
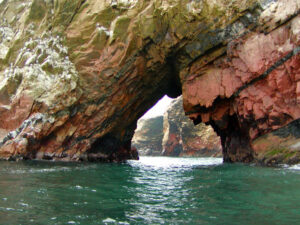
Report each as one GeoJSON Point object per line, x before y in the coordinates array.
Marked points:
{"type": "Point", "coordinates": [6, 36]}
{"type": "Point", "coordinates": [42, 71]}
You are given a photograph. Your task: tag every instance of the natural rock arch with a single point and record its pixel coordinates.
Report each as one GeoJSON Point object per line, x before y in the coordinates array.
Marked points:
{"type": "Point", "coordinates": [76, 75]}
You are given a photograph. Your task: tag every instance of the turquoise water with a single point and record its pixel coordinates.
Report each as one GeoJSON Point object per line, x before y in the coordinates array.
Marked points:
{"type": "Point", "coordinates": [154, 190]}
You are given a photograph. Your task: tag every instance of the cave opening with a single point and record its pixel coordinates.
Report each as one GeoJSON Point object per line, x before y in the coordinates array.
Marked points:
{"type": "Point", "coordinates": [139, 98]}
{"type": "Point", "coordinates": [148, 135]}
{"type": "Point", "coordinates": [107, 148]}
{"type": "Point", "coordinates": [150, 100]}
{"type": "Point", "coordinates": [165, 130]}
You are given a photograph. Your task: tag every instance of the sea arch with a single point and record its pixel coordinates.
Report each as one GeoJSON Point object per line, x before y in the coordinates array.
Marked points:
{"type": "Point", "coordinates": [76, 75]}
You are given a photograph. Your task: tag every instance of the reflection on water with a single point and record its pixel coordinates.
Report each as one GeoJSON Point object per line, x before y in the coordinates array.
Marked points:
{"type": "Point", "coordinates": [160, 190]}
{"type": "Point", "coordinates": [169, 163]}
{"type": "Point", "coordinates": [154, 190]}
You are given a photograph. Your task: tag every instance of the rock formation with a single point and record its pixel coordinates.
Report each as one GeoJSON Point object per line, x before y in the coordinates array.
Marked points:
{"type": "Point", "coordinates": [148, 136]}
{"type": "Point", "coordinates": [182, 138]}
{"type": "Point", "coordinates": [175, 135]}
{"type": "Point", "coordinates": [75, 76]}
{"type": "Point", "coordinates": [252, 90]}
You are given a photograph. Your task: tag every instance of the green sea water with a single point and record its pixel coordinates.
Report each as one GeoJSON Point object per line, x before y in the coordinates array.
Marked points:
{"type": "Point", "coordinates": [154, 190]}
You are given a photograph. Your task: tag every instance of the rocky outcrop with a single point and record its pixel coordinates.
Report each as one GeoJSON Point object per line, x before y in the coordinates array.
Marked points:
{"type": "Point", "coordinates": [175, 135]}
{"type": "Point", "coordinates": [183, 138]}
{"type": "Point", "coordinates": [75, 76]}
{"type": "Point", "coordinates": [148, 136]}
{"type": "Point", "coordinates": [252, 90]}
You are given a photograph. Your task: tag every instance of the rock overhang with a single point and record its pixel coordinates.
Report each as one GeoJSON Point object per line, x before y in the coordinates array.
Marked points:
{"type": "Point", "coordinates": [125, 55]}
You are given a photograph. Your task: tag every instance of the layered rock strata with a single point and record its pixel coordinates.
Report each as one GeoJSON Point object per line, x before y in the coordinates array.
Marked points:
{"type": "Point", "coordinates": [76, 75]}
{"type": "Point", "coordinates": [183, 138]}
{"type": "Point", "coordinates": [252, 90]}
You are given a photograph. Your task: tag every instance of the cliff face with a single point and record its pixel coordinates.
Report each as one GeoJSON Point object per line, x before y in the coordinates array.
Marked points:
{"type": "Point", "coordinates": [183, 138]}
{"type": "Point", "coordinates": [76, 75]}
{"type": "Point", "coordinates": [148, 136]}
{"type": "Point", "coordinates": [252, 91]}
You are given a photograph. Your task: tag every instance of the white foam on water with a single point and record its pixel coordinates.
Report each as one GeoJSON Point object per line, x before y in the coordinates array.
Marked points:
{"type": "Point", "coordinates": [47, 170]}
{"type": "Point", "coordinates": [112, 221]}
{"type": "Point", "coordinates": [23, 204]}
{"type": "Point", "coordinates": [78, 187]}
{"type": "Point", "coordinates": [109, 220]}
{"type": "Point", "coordinates": [50, 170]}
{"type": "Point", "coordinates": [294, 167]}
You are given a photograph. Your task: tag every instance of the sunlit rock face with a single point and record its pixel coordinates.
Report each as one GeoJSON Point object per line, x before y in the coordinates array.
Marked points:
{"type": "Point", "coordinates": [76, 75]}
{"type": "Point", "coordinates": [183, 138]}
{"type": "Point", "coordinates": [148, 136]}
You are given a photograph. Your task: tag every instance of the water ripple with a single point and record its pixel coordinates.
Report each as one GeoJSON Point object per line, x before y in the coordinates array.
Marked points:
{"type": "Point", "coordinates": [154, 190]}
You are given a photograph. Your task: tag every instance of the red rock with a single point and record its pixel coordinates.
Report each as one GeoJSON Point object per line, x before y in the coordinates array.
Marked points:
{"type": "Point", "coordinates": [20, 110]}
{"type": "Point", "coordinates": [209, 84]}
{"type": "Point", "coordinates": [298, 92]}
{"type": "Point", "coordinates": [182, 138]}
{"type": "Point", "coordinates": [265, 105]}
{"type": "Point", "coordinates": [229, 82]}
{"type": "Point", "coordinates": [205, 117]}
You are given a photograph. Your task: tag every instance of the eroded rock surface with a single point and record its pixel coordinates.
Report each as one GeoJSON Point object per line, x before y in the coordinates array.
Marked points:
{"type": "Point", "coordinates": [174, 134]}
{"type": "Point", "coordinates": [252, 90]}
{"type": "Point", "coordinates": [76, 75]}
{"type": "Point", "coordinates": [183, 138]}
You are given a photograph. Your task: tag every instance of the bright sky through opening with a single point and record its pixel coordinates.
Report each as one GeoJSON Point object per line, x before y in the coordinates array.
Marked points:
{"type": "Point", "coordinates": [159, 108]}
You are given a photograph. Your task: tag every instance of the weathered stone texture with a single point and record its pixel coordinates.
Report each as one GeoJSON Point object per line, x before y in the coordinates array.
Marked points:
{"type": "Point", "coordinates": [183, 138]}
{"type": "Point", "coordinates": [76, 75]}
{"type": "Point", "coordinates": [174, 134]}
{"type": "Point", "coordinates": [252, 90]}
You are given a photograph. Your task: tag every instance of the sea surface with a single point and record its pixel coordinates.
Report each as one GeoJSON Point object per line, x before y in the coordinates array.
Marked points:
{"type": "Point", "coordinates": [153, 190]}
